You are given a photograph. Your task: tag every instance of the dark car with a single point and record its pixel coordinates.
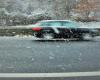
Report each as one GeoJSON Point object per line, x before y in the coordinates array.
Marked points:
{"type": "Point", "coordinates": [51, 29]}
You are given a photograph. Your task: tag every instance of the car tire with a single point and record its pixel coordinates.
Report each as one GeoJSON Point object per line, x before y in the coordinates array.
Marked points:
{"type": "Point", "coordinates": [48, 36]}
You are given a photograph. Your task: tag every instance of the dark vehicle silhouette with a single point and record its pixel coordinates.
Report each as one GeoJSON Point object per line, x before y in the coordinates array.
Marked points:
{"type": "Point", "coordinates": [52, 29]}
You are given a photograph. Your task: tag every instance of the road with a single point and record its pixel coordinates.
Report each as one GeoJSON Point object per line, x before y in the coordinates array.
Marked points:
{"type": "Point", "coordinates": [25, 55]}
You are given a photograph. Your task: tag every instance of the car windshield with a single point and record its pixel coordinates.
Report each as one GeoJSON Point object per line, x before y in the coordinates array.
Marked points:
{"type": "Point", "coordinates": [66, 24]}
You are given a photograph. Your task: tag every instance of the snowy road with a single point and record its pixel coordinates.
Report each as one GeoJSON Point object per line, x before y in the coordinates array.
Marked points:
{"type": "Point", "coordinates": [27, 55]}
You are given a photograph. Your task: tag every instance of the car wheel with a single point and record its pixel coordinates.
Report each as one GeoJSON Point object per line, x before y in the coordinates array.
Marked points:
{"type": "Point", "coordinates": [87, 36]}
{"type": "Point", "coordinates": [34, 34]}
{"type": "Point", "coordinates": [48, 35]}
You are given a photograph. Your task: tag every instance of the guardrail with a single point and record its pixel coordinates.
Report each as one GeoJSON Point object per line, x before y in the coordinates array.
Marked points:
{"type": "Point", "coordinates": [21, 31]}
{"type": "Point", "coordinates": [14, 32]}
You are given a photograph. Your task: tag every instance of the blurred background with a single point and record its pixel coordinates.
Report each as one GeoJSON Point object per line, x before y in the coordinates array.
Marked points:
{"type": "Point", "coordinates": [24, 12]}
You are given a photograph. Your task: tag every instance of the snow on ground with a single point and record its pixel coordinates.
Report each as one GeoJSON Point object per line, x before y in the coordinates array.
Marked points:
{"type": "Point", "coordinates": [17, 37]}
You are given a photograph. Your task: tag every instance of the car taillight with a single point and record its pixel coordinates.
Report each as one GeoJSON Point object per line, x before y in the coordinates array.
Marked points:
{"type": "Point", "coordinates": [36, 29]}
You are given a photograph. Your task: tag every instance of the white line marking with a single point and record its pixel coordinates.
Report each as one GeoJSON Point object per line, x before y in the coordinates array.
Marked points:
{"type": "Point", "coordinates": [45, 75]}
{"type": "Point", "coordinates": [55, 39]}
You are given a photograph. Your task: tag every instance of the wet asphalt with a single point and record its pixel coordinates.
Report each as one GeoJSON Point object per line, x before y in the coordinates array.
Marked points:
{"type": "Point", "coordinates": [26, 55]}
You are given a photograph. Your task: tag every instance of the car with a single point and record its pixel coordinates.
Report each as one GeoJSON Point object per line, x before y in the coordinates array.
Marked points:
{"type": "Point", "coordinates": [54, 29]}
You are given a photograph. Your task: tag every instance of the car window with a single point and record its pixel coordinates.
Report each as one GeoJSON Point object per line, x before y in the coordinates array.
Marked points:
{"type": "Point", "coordinates": [51, 23]}
{"type": "Point", "coordinates": [60, 23]}
{"type": "Point", "coordinates": [70, 24]}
